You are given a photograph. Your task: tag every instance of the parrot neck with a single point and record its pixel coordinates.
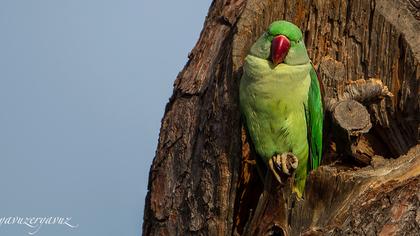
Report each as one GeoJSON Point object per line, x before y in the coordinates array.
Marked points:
{"type": "Point", "coordinates": [258, 68]}
{"type": "Point", "coordinates": [279, 82]}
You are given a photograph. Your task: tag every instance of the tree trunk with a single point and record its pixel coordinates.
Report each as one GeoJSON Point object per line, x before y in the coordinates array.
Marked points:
{"type": "Point", "coordinates": [204, 178]}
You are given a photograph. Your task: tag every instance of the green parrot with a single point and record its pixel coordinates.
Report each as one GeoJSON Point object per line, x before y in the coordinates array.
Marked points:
{"type": "Point", "coordinates": [280, 98]}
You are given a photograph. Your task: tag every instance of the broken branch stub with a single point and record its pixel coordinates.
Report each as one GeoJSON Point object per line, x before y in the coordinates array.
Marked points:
{"type": "Point", "coordinates": [353, 117]}
{"type": "Point", "coordinates": [345, 101]}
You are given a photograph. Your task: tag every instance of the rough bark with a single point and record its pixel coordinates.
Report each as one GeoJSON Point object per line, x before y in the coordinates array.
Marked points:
{"type": "Point", "coordinates": [204, 179]}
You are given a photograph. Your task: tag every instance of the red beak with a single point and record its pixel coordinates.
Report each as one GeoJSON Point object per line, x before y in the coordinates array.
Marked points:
{"type": "Point", "coordinates": [279, 48]}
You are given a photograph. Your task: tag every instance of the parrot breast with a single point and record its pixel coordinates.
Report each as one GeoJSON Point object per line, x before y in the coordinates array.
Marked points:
{"type": "Point", "coordinates": [272, 101]}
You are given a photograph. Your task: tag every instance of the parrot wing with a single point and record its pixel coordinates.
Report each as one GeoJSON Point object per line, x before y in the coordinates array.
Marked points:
{"type": "Point", "coordinates": [314, 119]}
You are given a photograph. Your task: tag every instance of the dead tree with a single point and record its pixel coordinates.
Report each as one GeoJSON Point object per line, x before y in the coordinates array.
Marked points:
{"type": "Point", "coordinates": [204, 181]}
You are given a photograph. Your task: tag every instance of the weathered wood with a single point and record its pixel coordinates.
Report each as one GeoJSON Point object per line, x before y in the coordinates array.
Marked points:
{"type": "Point", "coordinates": [192, 182]}
{"type": "Point", "coordinates": [341, 201]}
{"type": "Point", "coordinates": [204, 179]}
{"type": "Point", "coordinates": [352, 117]}
{"type": "Point", "coordinates": [351, 120]}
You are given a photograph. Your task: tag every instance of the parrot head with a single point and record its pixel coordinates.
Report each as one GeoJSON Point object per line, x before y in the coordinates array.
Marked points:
{"type": "Point", "coordinates": [281, 43]}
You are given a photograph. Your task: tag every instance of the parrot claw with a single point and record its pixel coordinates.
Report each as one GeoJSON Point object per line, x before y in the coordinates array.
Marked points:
{"type": "Point", "coordinates": [274, 167]}
{"type": "Point", "coordinates": [290, 161]}
{"type": "Point", "coordinates": [285, 163]}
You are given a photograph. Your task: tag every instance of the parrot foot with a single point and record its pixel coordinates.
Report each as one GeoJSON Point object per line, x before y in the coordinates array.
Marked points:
{"type": "Point", "coordinates": [285, 163]}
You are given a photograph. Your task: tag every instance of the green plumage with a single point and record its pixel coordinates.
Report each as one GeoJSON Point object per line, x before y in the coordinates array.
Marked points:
{"type": "Point", "coordinates": [282, 104]}
{"type": "Point", "coordinates": [314, 116]}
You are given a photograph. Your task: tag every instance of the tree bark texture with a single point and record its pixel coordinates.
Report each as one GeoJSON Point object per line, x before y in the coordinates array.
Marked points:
{"type": "Point", "coordinates": [204, 179]}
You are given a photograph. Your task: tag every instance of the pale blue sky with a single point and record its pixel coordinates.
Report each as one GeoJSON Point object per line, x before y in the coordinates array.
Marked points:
{"type": "Point", "coordinates": [83, 86]}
